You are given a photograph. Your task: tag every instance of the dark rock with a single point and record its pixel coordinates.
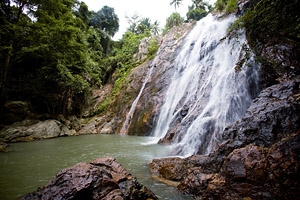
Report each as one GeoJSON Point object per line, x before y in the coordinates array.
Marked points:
{"type": "Point", "coordinates": [258, 159]}
{"type": "Point", "coordinates": [103, 178]}
{"type": "Point", "coordinates": [14, 111]}
{"type": "Point", "coordinates": [272, 116]}
{"type": "Point", "coordinates": [3, 147]}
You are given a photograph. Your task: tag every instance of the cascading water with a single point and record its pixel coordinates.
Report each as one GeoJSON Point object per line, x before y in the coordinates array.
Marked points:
{"type": "Point", "coordinates": [124, 129]}
{"type": "Point", "coordinates": [214, 83]}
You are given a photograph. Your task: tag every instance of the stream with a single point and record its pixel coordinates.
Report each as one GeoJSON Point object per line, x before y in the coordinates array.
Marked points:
{"type": "Point", "coordinates": [30, 165]}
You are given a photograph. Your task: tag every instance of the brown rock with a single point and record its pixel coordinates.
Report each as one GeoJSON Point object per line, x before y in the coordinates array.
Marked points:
{"type": "Point", "coordinates": [3, 147]}
{"type": "Point", "coordinates": [168, 168]}
{"type": "Point", "coordinates": [103, 178]}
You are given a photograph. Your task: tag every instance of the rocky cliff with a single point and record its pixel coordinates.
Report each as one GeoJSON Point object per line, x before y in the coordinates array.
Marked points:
{"type": "Point", "coordinates": [259, 156]}
{"type": "Point", "coordinates": [147, 108]}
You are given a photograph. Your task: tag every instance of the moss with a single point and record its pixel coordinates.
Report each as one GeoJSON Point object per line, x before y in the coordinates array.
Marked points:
{"type": "Point", "coordinates": [231, 6]}
{"type": "Point", "coordinates": [152, 49]}
{"type": "Point", "coordinates": [103, 106]}
{"type": "Point", "coordinates": [141, 119]}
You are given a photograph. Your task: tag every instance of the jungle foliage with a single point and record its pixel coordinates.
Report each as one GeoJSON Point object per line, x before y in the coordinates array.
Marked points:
{"type": "Point", "coordinates": [53, 53]}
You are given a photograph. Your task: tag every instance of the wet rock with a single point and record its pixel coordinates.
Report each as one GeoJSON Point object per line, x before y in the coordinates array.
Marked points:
{"type": "Point", "coordinates": [3, 147]}
{"type": "Point", "coordinates": [151, 100]}
{"type": "Point", "coordinates": [249, 172]}
{"type": "Point", "coordinates": [258, 158]}
{"type": "Point", "coordinates": [168, 168]}
{"type": "Point", "coordinates": [103, 178]}
{"type": "Point", "coordinates": [272, 116]}
{"type": "Point", "coordinates": [29, 130]}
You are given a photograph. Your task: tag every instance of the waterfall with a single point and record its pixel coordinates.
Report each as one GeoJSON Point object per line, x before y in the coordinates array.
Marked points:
{"type": "Point", "coordinates": [124, 129]}
{"type": "Point", "coordinates": [215, 80]}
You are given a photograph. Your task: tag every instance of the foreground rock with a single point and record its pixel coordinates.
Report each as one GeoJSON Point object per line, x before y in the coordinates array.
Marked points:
{"type": "Point", "coordinates": [258, 159]}
{"type": "Point", "coordinates": [103, 178]}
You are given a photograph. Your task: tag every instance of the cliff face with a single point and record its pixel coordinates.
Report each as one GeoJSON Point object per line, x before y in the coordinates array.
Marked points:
{"type": "Point", "coordinates": [259, 155]}
{"type": "Point", "coordinates": [151, 98]}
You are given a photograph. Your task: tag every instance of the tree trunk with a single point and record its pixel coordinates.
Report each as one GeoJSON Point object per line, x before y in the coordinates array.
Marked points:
{"type": "Point", "coordinates": [4, 74]}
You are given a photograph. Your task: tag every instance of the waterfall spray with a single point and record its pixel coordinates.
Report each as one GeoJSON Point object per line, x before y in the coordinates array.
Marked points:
{"type": "Point", "coordinates": [208, 89]}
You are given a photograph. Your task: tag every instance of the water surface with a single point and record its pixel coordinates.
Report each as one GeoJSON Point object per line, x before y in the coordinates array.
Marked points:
{"type": "Point", "coordinates": [30, 165]}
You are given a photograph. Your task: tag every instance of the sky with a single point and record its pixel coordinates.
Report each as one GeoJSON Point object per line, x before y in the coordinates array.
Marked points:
{"type": "Point", "coordinates": [158, 10]}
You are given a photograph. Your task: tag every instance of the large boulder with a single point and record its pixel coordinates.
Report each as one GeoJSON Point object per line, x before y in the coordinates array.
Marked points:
{"type": "Point", "coordinates": [274, 115]}
{"type": "Point", "coordinates": [29, 130]}
{"type": "Point", "coordinates": [103, 178]}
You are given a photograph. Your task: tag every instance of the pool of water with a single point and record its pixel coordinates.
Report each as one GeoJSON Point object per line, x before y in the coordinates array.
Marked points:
{"type": "Point", "coordinates": [30, 165]}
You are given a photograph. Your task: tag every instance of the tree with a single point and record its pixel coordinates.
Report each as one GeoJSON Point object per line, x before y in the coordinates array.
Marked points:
{"type": "Point", "coordinates": [176, 3]}
{"type": "Point", "coordinates": [105, 20]}
{"type": "Point", "coordinates": [144, 25]}
{"type": "Point", "coordinates": [83, 13]}
{"type": "Point", "coordinates": [173, 20]}
{"type": "Point", "coordinates": [199, 4]}
{"type": "Point", "coordinates": [155, 28]}
{"type": "Point", "coordinates": [196, 14]}
{"type": "Point", "coordinates": [52, 61]}
{"type": "Point", "coordinates": [12, 25]}
{"type": "Point", "coordinates": [138, 25]}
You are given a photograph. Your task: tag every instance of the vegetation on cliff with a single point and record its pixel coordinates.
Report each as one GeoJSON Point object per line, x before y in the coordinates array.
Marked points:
{"type": "Point", "coordinates": [273, 32]}
{"type": "Point", "coordinates": [53, 53]}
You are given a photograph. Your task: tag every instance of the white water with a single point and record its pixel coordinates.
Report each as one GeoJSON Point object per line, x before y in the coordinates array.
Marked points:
{"type": "Point", "coordinates": [206, 92]}
{"type": "Point", "coordinates": [127, 122]}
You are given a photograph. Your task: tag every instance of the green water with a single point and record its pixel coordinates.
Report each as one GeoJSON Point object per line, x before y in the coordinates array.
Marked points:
{"type": "Point", "coordinates": [32, 164]}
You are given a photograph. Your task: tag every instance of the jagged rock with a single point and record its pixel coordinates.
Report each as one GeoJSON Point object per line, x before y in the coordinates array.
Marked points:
{"type": "Point", "coordinates": [89, 128]}
{"type": "Point", "coordinates": [258, 159]}
{"type": "Point", "coordinates": [143, 47]}
{"type": "Point", "coordinates": [168, 168]}
{"type": "Point", "coordinates": [250, 172]}
{"type": "Point", "coordinates": [29, 130]}
{"type": "Point", "coordinates": [103, 178]}
{"type": "Point", "coordinates": [107, 128]}
{"type": "Point", "coordinates": [272, 116]}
